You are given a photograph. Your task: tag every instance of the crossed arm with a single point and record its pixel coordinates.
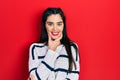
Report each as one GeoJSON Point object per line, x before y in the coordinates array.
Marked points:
{"type": "Point", "coordinates": [40, 67]}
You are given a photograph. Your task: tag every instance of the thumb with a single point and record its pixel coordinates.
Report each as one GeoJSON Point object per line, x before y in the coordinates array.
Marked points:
{"type": "Point", "coordinates": [58, 39]}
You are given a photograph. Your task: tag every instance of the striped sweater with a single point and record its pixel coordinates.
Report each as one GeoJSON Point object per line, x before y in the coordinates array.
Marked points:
{"type": "Point", "coordinates": [46, 64]}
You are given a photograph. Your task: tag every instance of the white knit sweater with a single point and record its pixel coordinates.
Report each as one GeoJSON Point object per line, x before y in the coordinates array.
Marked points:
{"type": "Point", "coordinates": [46, 64]}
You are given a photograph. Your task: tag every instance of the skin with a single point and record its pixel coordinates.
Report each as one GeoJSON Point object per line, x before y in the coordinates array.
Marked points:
{"type": "Point", "coordinates": [54, 26]}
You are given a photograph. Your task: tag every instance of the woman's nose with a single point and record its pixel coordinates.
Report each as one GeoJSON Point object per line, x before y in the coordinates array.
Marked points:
{"type": "Point", "coordinates": [55, 28]}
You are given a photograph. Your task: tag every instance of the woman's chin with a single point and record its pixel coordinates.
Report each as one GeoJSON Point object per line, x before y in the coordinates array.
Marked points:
{"type": "Point", "coordinates": [53, 38]}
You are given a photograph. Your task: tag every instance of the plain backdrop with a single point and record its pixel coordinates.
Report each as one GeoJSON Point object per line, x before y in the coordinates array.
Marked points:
{"type": "Point", "coordinates": [93, 24]}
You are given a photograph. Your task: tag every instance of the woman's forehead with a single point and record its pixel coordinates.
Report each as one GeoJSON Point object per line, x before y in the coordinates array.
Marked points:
{"type": "Point", "coordinates": [54, 18]}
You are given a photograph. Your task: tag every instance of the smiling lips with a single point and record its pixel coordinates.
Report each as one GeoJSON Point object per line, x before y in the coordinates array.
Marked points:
{"type": "Point", "coordinates": [55, 33]}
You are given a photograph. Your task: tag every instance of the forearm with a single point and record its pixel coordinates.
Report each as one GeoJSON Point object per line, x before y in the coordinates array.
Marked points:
{"type": "Point", "coordinates": [45, 67]}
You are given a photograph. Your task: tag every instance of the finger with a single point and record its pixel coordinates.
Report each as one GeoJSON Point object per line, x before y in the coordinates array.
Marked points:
{"type": "Point", "coordinates": [49, 38]}
{"type": "Point", "coordinates": [32, 77]}
{"type": "Point", "coordinates": [59, 38]}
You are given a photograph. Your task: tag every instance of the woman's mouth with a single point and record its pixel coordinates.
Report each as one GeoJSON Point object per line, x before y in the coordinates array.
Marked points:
{"type": "Point", "coordinates": [55, 33]}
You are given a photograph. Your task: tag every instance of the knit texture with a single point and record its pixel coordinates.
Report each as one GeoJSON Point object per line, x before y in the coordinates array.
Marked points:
{"type": "Point", "coordinates": [46, 64]}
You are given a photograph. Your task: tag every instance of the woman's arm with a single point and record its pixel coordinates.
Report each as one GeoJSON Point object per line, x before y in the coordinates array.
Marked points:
{"type": "Point", "coordinates": [41, 69]}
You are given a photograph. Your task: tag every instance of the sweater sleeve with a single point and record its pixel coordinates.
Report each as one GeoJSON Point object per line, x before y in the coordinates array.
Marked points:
{"type": "Point", "coordinates": [41, 68]}
{"type": "Point", "coordinates": [74, 75]}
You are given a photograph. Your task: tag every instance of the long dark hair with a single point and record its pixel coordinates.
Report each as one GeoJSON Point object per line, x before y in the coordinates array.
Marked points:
{"type": "Point", "coordinates": [65, 40]}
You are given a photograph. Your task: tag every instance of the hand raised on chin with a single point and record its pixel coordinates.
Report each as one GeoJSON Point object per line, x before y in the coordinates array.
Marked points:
{"type": "Point", "coordinates": [52, 44]}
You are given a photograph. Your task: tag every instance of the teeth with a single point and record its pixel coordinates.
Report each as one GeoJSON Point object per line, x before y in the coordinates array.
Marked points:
{"type": "Point", "coordinates": [54, 32]}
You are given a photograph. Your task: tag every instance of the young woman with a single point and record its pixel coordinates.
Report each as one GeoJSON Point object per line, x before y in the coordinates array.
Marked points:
{"type": "Point", "coordinates": [55, 56]}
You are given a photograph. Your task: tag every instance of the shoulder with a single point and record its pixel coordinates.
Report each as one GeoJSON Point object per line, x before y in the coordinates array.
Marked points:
{"type": "Point", "coordinates": [75, 51]}
{"type": "Point", "coordinates": [37, 45]}
{"type": "Point", "coordinates": [74, 45]}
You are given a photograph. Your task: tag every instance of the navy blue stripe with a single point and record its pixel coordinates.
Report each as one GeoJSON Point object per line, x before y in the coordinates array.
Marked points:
{"type": "Point", "coordinates": [67, 79]}
{"type": "Point", "coordinates": [37, 75]}
{"type": "Point", "coordinates": [41, 57]}
{"type": "Point", "coordinates": [33, 57]}
{"type": "Point", "coordinates": [65, 56]}
{"type": "Point", "coordinates": [59, 69]}
{"type": "Point", "coordinates": [52, 69]}
{"type": "Point", "coordinates": [65, 70]}
{"type": "Point", "coordinates": [62, 70]}
{"type": "Point", "coordinates": [32, 69]}
{"type": "Point", "coordinates": [77, 72]}
{"type": "Point", "coordinates": [33, 52]}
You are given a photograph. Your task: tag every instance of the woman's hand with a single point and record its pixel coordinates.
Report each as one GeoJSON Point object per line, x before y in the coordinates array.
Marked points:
{"type": "Point", "coordinates": [31, 77]}
{"type": "Point", "coordinates": [52, 44]}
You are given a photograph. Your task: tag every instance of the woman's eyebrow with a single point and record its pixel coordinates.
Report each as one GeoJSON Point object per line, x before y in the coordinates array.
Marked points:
{"type": "Point", "coordinates": [49, 22]}
{"type": "Point", "coordinates": [60, 22]}
{"type": "Point", "coordinates": [53, 22]}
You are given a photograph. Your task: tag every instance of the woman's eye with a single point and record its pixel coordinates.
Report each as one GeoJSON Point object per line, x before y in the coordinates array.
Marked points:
{"type": "Point", "coordinates": [59, 24]}
{"type": "Point", "coordinates": [50, 24]}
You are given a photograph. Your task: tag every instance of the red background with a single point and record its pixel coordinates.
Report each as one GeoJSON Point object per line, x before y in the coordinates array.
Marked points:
{"type": "Point", "coordinates": [93, 24]}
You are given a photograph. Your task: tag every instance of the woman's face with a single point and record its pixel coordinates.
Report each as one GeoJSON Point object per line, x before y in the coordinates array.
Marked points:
{"type": "Point", "coordinates": [54, 26]}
